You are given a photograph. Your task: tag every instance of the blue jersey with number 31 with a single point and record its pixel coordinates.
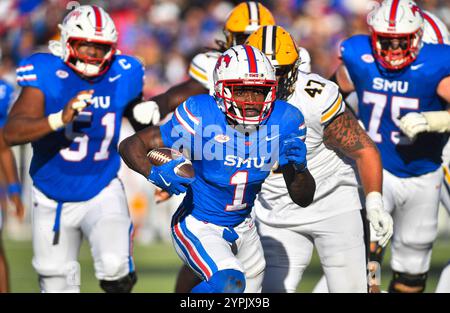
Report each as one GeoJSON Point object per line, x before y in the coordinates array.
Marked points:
{"type": "Point", "coordinates": [76, 163]}
{"type": "Point", "coordinates": [229, 165]}
{"type": "Point", "coordinates": [385, 96]}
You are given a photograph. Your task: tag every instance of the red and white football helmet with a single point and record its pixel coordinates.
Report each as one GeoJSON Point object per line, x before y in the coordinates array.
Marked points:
{"type": "Point", "coordinates": [397, 28]}
{"type": "Point", "coordinates": [435, 31]}
{"type": "Point", "coordinates": [86, 23]}
{"type": "Point", "coordinates": [240, 66]}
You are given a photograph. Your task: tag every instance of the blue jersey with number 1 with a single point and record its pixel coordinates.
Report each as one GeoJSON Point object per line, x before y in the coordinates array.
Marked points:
{"type": "Point", "coordinates": [385, 96]}
{"type": "Point", "coordinates": [76, 163]}
{"type": "Point", "coordinates": [230, 166]}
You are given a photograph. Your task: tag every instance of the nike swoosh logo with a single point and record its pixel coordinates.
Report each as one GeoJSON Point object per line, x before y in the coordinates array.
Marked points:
{"type": "Point", "coordinates": [164, 181]}
{"type": "Point", "coordinates": [416, 67]}
{"type": "Point", "coordinates": [271, 138]}
{"type": "Point", "coordinates": [111, 79]}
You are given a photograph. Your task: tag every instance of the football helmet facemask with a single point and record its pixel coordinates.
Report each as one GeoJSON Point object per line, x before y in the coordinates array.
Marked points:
{"type": "Point", "coordinates": [245, 69]}
{"type": "Point", "coordinates": [89, 26]}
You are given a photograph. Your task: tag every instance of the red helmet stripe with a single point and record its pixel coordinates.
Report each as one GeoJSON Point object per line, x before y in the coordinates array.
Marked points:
{"type": "Point", "coordinates": [393, 13]}
{"type": "Point", "coordinates": [435, 27]}
{"type": "Point", "coordinates": [98, 19]}
{"type": "Point", "coordinates": [252, 66]}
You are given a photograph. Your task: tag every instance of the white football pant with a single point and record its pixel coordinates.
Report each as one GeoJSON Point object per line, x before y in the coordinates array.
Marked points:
{"type": "Point", "coordinates": [105, 222]}
{"type": "Point", "coordinates": [204, 249]}
{"type": "Point", "coordinates": [443, 285]}
{"type": "Point", "coordinates": [339, 241]}
{"type": "Point", "coordinates": [413, 203]}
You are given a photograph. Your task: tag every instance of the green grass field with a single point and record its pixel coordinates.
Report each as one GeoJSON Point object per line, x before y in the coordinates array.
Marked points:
{"type": "Point", "coordinates": [157, 266]}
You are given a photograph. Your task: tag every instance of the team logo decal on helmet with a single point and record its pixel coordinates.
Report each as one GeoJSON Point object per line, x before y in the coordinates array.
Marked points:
{"type": "Point", "coordinates": [225, 58]}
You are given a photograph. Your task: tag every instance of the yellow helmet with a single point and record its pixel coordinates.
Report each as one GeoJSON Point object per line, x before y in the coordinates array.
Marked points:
{"type": "Point", "coordinates": [244, 19]}
{"type": "Point", "coordinates": [282, 51]}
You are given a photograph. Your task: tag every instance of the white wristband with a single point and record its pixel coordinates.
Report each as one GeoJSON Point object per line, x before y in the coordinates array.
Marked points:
{"type": "Point", "coordinates": [438, 121]}
{"type": "Point", "coordinates": [55, 120]}
{"type": "Point", "coordinates": [374, 199]}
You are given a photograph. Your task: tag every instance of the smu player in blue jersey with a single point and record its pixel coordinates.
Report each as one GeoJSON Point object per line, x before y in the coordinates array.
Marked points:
{"type": "Point", "coordinates": [403, 88]}
{"type": "Point", "coordinates": [234, 138]}
{"type": "Point", "coordinates": [9, 183]}
{"type": "Point", "coordinates": [70, 108]}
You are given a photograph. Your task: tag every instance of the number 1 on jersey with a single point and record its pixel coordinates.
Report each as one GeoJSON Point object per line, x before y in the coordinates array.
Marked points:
{"type": "Point", "coordinates": [239, 179]}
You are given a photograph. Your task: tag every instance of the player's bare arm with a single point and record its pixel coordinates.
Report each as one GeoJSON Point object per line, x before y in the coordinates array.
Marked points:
{"type": "Point", "coordinates": [345, 135]}
{"type": "Point", "coordinates": [169, 100]}
{"type": "Point", "coordinates": [134, 149]}
{"type": "Point", "coordinates": [301, 186]}
{"type": "Point", "coordinates": [9, 169]}
{"type": "Point", "coordinates": [27, 121]}
{"type": "Point", "coordinates": [343, 79]}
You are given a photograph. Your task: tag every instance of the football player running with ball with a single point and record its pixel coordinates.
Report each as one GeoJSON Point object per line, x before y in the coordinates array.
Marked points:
{"type": "Point", "coordinates": [70, 109]}
{"type": "Point", "coordinates": [234, 138]}
{"type": "Point", "coordinates": [403, 88]}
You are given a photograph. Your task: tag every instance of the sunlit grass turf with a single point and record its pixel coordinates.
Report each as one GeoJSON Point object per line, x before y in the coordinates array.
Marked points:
{"type": "Point", "coordinates": [157, 266]}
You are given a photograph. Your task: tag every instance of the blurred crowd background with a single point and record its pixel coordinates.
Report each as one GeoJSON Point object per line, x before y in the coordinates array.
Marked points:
{"type": "Point", "coordinates": [165, 35]}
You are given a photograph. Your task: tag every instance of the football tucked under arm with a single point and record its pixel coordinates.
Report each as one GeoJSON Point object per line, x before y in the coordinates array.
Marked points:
{"type": "Point", "coordinates": [171, 171]}
{"type": "Point", "coordinates": [163, 155]}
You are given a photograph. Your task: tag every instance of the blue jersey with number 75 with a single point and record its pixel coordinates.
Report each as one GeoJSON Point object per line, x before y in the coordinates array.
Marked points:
{"type": "Point", "coordinates": [385, 96]}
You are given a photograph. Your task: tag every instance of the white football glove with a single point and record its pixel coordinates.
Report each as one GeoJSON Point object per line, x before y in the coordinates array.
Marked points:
{"type": "Point", "coordinates": [380, 220]}
{"type": "Point", "coordinates": [147, 113]}
{"type": "Point", "coordinates": [413, 123]}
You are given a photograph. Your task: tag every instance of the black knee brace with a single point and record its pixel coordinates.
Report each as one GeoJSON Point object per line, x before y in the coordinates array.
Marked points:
{"type": "Point", "coordinates": [407, 283]}
{"type": "Point", "coordinates": [122, 285]}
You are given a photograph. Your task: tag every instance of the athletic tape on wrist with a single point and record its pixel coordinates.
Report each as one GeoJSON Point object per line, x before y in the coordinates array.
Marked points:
{"type": "Point", "coordinates": [55, 120]}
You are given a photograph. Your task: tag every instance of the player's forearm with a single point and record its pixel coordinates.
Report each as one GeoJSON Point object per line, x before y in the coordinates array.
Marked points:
{"type": "Point", "coordinates": [176, 95]}
{"type": "Point", "coordinates": [134, 149]}
{"type": "Point", "coordinates": [8, 165]}
{"type": "Point", "coordinates": [7, 162]}
{"type": "Point", "coordinates": [165, 106]}
{"type": "Point", "coordinates": [21, 130]}
{"type": "Point", "coordinates": [370, 170]}
{"type": "Point", "coordinates": [301, 186]}
{"type": "Point", "coordinates": [134, 154]}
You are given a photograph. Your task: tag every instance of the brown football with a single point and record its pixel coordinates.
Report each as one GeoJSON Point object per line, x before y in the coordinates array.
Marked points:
{"type": "Point", "coordinates": [161, 156]}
